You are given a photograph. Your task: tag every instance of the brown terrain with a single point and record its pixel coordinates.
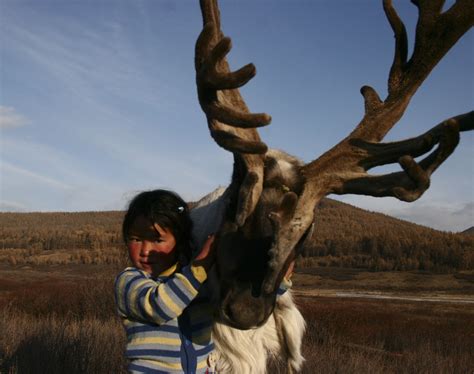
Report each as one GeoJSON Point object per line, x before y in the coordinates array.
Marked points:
{"type": "Point", "coordinates": [57, 308]}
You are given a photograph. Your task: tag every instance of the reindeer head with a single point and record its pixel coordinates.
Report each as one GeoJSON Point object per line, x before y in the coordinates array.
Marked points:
{"type": "Point", "coordinates": [272, 196]}
{"type": "Point", "coordinates": [245, 250]}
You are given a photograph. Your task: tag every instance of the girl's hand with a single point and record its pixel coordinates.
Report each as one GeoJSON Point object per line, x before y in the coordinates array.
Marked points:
{"type": "Point", "coordinates": [207, 255]}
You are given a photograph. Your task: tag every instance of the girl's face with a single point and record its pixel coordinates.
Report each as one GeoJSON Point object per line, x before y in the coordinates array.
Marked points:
{"type": "Point", "coordinates": [150, 247]}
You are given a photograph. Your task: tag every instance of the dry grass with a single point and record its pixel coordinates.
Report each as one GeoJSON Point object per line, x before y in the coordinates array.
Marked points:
{"type": "Point", "coordinates": [65, 327]}
{"type": "Point", "coordinates": [360, 336]}
{"type": "Point", "coordinates": [461, 282]}
{"type": "Point", "coordinates": [60, 344]}
{"type": "Point", "coordinates": [69, 326]}
{"type": "Point", "coordinates": [36, 257]}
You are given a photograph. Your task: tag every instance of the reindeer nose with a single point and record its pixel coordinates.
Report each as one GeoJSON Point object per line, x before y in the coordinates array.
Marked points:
{"type": "Point", "coordinates": [247, 312]}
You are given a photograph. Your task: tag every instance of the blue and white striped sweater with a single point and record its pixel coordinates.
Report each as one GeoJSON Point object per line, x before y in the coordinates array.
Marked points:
{"type": "Point", "coordinates": [168, 325]}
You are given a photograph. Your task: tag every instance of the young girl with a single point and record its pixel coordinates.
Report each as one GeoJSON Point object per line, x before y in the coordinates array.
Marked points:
{"type": "Point", "coordinates": [168, 324]}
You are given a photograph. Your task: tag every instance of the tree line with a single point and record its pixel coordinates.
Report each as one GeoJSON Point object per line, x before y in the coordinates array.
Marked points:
{"type": "Point", "coordinates": [53, 231]}
{"type": "Point", "coordinates": [351, 237]}
{"type": "Point", "coordinates": [344, 236]}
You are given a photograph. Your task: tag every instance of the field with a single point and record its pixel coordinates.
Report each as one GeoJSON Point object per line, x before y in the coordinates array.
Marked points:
{"type": "Point", "coordinates": [60, 319]}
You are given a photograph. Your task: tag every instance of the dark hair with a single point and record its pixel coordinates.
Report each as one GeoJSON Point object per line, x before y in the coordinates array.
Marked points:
{"type": "Point", "coordinates": [167, 209]}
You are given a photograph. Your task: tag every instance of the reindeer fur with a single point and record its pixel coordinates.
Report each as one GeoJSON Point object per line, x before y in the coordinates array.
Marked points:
{"type": "Point", "coordinates": [247, 351]}
{"type": "Point", "coordinates": [280, 337]}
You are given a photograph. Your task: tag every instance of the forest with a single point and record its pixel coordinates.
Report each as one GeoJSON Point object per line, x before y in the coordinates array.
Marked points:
{"type": "Point", "coordinates": [344, 236]}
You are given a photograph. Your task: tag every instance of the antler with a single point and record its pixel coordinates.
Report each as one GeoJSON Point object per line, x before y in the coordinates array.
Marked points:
{"type": "Point", "coordinates": [231, 124]}
{"type": "Point", "coordinates": [343, 169]}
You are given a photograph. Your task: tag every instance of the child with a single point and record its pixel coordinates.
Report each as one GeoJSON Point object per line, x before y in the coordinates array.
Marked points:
{"type": "Point", "coordinates": [168, 324]}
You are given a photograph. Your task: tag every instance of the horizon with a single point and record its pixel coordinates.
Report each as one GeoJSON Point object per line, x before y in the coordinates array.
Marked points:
{"type": "Point", "coordinates": [91, 110]}
{"type": "Point", "coordinates": [461, 231]}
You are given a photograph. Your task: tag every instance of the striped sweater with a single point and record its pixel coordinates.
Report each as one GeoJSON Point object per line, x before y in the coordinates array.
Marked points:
{"type": "Point", "coordinates": [168, 324]}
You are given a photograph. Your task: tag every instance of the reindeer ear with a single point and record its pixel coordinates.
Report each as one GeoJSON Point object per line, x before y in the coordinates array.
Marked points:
{"type": "Point", "coordinates": [249, 194]}
{"type": "Point", "coordinates": [285, 211]}
{"type": "Point", "coordinates": [288, 206]}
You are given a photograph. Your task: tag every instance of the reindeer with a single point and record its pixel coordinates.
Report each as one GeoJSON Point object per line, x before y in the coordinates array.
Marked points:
{"type": "Point", "coordinates": [264, 216]}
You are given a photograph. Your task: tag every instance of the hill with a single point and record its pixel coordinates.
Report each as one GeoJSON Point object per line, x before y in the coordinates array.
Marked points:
{"type": "Point", "coordinates": [469, 231]}
{"type": "Point", "coordinates": [352, 237]}
{"type": "Point", "coordinates": [344, 236]}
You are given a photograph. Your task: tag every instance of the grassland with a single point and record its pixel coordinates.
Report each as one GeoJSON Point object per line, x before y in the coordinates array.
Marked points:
{"type": "Point", "coordinates": [385, 336]}
{"type": "Point", "coordinates": [61, 319]}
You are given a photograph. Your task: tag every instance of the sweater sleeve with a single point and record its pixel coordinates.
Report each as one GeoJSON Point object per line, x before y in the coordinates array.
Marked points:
{"type": "Point", "coordinates": [157, 301]}
{"type": "Point", "coordinates": [285, 285]}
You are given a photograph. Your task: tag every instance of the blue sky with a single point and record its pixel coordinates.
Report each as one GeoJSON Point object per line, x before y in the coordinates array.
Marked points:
{"type": "Point", "coordinates": [98, 100]}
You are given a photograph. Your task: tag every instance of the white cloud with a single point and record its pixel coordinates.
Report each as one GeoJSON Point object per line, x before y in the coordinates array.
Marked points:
{"type": "Point", "coordinates": [94, 69]}
{"type": "Point", "coordinates": [443, 216]}
{"type": "Point", "coordinates": [53, 179]}
{"type": "Point", "coordinates": [468, 210]}
{"type": "Point", "coordinates": [11, 206]}
{"type": "Point", "coordinates": [439, 214]}
{"type": "Point", "coordinates": [10, 118]}
{"type": "Point", "coordinates": [37, 178]}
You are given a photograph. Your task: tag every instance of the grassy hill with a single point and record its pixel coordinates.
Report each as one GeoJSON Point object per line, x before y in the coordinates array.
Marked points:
{"type": "Point", "coordinates": [344, 236]}
{"type": "Point", "coordinates": [469, 231]}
